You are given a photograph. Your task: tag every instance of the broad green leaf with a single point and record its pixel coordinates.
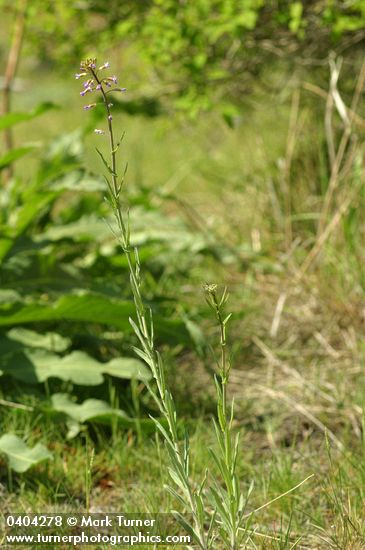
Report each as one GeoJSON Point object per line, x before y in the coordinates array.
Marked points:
{"type": "Point", "coordinates": [97, 411]}
{"type": "Point", "coordinates": [78, 180]}
{"type": "Point", "coordinates": [34, 366]}
{"type": "Point", "coordinates": [73, 428]}
{"type": "Point", "coordinates": [86, 227]}
{"type": "Point", "coordinates": [67, 147]}
{"type": "Point", "coordinates": [149, 227]}
{"type": "Point", "coordinates": [6, 245]}
{"type": "Point", "coordinates": [11, 119]}
{"type": "Point", "coordinates": [9, 296]}
{"type": "Point", "coordinates": [50, 340]}
{"type": "Point", "coordinates": [34, 203]}
{"type": "Point", "coordinates": [72, 307]}
{"type": "Point", "coordinates": [90, 409]}
{"type": "Point", "coordinates": [91, 308]}
{"type": "Point", "coordinates": [21, 457]}
{"type": "Point", "coordinates": [121, 367]}
{"type": "Point", "coordinates": [9, 346]}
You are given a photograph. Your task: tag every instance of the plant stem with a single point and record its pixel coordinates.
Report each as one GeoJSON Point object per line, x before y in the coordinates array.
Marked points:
{"type": "Point", "coordinates": [144, 332]}
{"type": "Point", "coordinates": [231, 498]}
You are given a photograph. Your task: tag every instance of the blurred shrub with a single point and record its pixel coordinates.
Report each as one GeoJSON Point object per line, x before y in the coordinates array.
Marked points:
{"type": "Point", "coordinates": [205, 53]}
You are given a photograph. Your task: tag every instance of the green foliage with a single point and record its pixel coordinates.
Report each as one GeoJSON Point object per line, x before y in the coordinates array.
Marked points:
{"type": "Point", "coordinates": [228, 500]}
{"type": "Point", "coordinates": [193, 40]}
{"type": "Point", "coordinates": [206, 54]}
{"type": "Point", "coordinates": [13, 118]}
{"type": "Point", "coordinates": [16, 338]}
{"type": "Point", "coordinates": [69, 305]}
{"type": "Point", "coordinates": [296, 17]}
{"type": "Point", "coordinates": [9, 158]}
{"type": "Point", "coordinates": [20, 456]}
{"type": "Point", "coordinates": [95, 411]}
{"type": "Point", "coordinates": [36, 366]}
{"type": "Point", "coordinates": [344, 17]}
{"type": "Point", "coordinates": [209, 51]}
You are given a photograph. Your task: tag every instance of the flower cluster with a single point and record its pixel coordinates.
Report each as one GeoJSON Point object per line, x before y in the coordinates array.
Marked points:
{"type": "Point", "coordinates": [96, 82]}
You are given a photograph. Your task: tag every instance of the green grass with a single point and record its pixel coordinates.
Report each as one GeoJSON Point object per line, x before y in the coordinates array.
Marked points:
{"type": "Point", "coordinates": [325, 512]}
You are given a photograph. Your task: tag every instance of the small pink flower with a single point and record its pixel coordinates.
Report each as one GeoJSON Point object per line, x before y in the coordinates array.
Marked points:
{"type": "Point", "coordinates": [84, 92]}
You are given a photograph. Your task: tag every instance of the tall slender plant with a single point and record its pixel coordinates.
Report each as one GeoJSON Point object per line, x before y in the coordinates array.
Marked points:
{"type": "Point", "coordinates": [227, 500]}
{"type": "Point", "coordinates": [190, 496]}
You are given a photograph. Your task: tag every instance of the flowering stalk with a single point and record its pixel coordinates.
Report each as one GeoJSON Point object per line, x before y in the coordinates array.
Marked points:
{"type": "Point", "coordinates": [228, 500]}
{"type": "Point", "coordinates": [189, 497]}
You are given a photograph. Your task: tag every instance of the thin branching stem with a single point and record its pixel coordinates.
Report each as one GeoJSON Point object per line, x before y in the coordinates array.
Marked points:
{"type": "Point", "coordinates": [179, 455]}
